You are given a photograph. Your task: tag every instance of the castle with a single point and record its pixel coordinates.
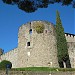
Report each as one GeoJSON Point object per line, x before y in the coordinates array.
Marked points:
{"type": "Point", "coordinates": [38, 49]}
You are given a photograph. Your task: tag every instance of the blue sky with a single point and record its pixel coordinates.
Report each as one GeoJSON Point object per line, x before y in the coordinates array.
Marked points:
{"type": "Point", "coordinates": [11, 18]}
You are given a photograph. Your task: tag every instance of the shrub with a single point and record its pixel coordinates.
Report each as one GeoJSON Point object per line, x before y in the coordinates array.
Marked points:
{"type": "Point", "coordinates": [39, 27]}
{"type": "Point", "coordinates": [5, 64]}
{"type": "Point", "coordinates": [1, 51]}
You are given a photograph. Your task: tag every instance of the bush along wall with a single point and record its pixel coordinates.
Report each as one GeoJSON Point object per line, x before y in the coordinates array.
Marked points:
{"type": "Point", "coordinates": [39, 27]}
{"type": "Point", "coordinates": [62, 49]}
{"type": "Point", "coordinates": [4, 64]}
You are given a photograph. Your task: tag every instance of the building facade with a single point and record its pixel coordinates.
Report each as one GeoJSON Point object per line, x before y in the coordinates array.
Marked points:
{"type": "Point", "coordinates": [38, 49]}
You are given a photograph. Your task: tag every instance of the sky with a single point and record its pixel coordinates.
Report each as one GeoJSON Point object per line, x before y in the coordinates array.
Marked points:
{"type": "Point", "coordinates": [11, 18]}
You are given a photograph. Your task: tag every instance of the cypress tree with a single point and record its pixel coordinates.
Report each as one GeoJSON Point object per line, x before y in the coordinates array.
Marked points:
{"type": "Point", "coordinates": [62, 50]}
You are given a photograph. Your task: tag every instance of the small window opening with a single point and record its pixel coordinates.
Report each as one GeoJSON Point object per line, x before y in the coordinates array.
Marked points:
{"type": "Point", "coordinates": [45, 31]}
{"type": "Point", "coordinates": [30, 31]}
{"type": "Point", "coordinates": [28, 43]}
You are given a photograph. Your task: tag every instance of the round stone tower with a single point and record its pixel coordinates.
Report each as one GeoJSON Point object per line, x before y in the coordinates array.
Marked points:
{"type": "Point", "coordinates": [37, 45]}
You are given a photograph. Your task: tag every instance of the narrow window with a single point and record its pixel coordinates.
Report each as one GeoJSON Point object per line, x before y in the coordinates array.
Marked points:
{"type": "Point", "coordinates": [30, 31]}
{"type": "Point", "coordinates": [28, 43]}
{"type": "Point", "coordinates": [45, 31]}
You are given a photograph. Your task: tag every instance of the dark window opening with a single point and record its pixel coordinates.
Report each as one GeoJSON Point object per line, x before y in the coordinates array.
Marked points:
{"type": "Point", "coordinates": [30, 31]}
{"type": "Point", "coordinates": [45, 31]}
{"type": "Point", "coordinates": [28, 43]}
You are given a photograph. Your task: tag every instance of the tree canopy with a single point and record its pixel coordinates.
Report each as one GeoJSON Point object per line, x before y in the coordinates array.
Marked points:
{"type": "Point", "coordinates": [32, 5]}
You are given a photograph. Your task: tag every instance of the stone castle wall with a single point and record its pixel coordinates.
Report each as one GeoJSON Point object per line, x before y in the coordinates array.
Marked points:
{"type": "Point", "coordinates": [42, 50]}
{"type": "Point", "coordinates": [11, 56]}
{"type": "Point", "coordinates": [71, 48]}
{"type": "Point", "coordinates": [71, 51]}
{"type": "Point", "coordinates": [70, 37]}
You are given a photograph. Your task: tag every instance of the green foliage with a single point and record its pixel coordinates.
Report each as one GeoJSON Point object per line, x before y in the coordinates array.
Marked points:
{"type": "Point", "coordinates": [32, 5]}
{"type": "Point", "coordinates": [4, 63]}
{"type": "Point", "coordinates": [39, 27]}
{"type": "Point", "coordinates": [34, 69]}
{"type": "Point", "coordinates": [1, 51]}
{"type": "Point", "coordinates": [61, 43]}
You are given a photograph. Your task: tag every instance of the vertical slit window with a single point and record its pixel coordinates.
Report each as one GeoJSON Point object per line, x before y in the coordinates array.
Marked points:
{"type": "Point", "coordinates": [30, 31]}
{"type": "Point", "coordinates": [45, 31]}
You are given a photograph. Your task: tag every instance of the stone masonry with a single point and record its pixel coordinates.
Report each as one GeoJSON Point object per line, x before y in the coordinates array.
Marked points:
{"type": "Point", "coordinates": [38, 50]}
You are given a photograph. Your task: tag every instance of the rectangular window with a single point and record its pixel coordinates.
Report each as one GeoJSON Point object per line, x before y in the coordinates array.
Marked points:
{"type": "Point", "coordinates": [28, 43]}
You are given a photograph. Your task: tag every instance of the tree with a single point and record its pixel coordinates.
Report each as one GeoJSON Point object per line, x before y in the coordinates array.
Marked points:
{"type": "Point", "coordinates": [32, 5]}
{"type": "Point", "coordinates": [1, 51]}
{"type": "Point", "coordinates": [62, 50]}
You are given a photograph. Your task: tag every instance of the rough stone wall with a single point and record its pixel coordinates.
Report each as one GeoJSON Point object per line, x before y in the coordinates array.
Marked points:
{"type": "Point", "coordinates": [71, 48]}
{"type": "Point", "coordinates": [42, 50]}
{"type": "Point", "coordinates": [11, 56]}
{"type": "Point", "coordinates": [70, 37]}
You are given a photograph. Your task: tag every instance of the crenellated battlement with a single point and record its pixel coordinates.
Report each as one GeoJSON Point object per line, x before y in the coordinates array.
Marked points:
{"type": "Point", "coordinates": [70, 37]}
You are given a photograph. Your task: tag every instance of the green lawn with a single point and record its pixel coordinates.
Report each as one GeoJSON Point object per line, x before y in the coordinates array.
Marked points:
{"type": "Point", "coordinates": [43, 69]}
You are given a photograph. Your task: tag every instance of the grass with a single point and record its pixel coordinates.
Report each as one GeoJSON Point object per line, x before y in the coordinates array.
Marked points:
{"type": "Point", "coordinates": [43, 69]}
